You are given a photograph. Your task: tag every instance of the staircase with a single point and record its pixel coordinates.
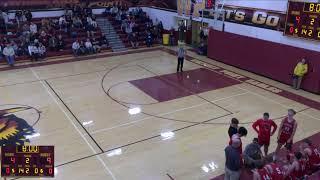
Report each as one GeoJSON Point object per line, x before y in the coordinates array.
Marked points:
{"type": "Point", "coordinates": [112, 36]}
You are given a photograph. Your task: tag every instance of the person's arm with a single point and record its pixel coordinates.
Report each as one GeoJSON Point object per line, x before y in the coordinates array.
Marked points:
{"type": "Point", "coordinates": [295, 71]}
{"type": "Point", "coordinates": [256, 175]}
{"type": "Point", "coordinates": [280, 129]}
{"type": "Point", "coordinates": [293, 132]}
{"type": "Point", "coordinates": [274, 126]}
{"type": "Point", "coordinates": [255, 126]}
{"type": "Point", "coordinates": [305, 70]}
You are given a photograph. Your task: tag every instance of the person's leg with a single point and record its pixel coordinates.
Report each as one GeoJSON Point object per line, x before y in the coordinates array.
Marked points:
{"type": "Point", "coordinates": [266, 148]}
{"type": "Point", "coordinates": [178, 64]}
{"type": "Point", "coordinates": [294, 83]}
{"type": "Point", "coordinates": [299, 79]}
{"type": "Point", "coordinates": [235, 175]}
{"type": "Point", "coordinates": [181, 66]}
{"type": "Point", "coordinates": [9, 60]}
{"type": "Point", "coordinates": [227, 174]}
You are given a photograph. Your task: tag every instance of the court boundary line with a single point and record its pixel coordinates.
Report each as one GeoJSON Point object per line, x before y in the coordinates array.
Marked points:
{"type": "Point", "coordinates": [77, 129]}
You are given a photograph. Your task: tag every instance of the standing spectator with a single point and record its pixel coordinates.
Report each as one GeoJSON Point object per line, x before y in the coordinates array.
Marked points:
{"type": "Point", "coordinates": [9, 54]}
{"type": "Point", "coordinates": [300, 71]}
{"type": "Point", "coordinates": [18, 17]}
{"type": "Point", "coordinates": [233, 161]}
{"type": "Point", "coordinates": [61, 43]}
{"type": "Point", "coordinates": [76, 48]}
{"type": "Point", "coordinates": [181, 55]}
{"type": "Point", "coordinates": [287, 131]}
{"type": "Point", "coordinates": [233, 128]}
{"type": "Point", "coordinates": [53, 43]}
{"type": "Point", "coordinates": [33, 28]}
{"type": "Point", "coordinates": [265, 128]}
{"type": "Point", "coordinates": [89, 47]}
{"type": "Point", "coordinates": [172, 37]}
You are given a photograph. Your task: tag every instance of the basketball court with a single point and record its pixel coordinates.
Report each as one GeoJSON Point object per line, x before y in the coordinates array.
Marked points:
{"type": "Point", "coordinates": [133, 117]}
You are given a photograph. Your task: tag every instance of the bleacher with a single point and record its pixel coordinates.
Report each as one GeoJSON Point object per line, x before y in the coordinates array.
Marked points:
{"type": "Point", "coordinates": [81, 35]}
{"type": "Point", "coordinates": [124, 36]}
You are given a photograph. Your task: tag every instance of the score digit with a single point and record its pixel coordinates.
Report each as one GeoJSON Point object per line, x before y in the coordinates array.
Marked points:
{"type": "Point", "coordinates": [13, 160]}
{"type": "Point", "coordinates": [298, 19]}
{"type": "Point", "coordinates": [312, 21]}
{"type": "Point", "coordinates": [27, 160]}
{"type": "Point", "coordinates": [49, 160]}
{"type": "Point", "coordinates": [311, 7]}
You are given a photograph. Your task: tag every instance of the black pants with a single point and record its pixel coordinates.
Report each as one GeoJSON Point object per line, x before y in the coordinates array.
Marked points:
{"type": "Point", "coordinates": [180, 64]}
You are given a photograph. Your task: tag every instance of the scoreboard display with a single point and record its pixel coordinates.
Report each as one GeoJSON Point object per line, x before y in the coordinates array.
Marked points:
{"type": "Point", "coordinates": [27, 161]}
{"type": "Point", "coordinates": [303, 20]}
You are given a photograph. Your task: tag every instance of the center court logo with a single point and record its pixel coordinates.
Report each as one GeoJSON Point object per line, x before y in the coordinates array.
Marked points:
{"type": "Point", "coordinates": [14, 128]}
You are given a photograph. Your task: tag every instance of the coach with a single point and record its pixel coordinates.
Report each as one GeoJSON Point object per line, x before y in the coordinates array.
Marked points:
{"type": "Point", "coordinates": [233, 161]}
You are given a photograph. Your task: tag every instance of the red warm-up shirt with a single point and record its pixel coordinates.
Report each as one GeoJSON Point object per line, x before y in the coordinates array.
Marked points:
{"type": "Point", "coordinates": [263, 127]}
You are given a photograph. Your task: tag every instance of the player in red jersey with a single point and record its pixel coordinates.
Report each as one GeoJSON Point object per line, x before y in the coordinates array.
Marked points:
{"type": "Point", "coordinates": [312, 155]}
{"type": "Point", "coordinates": [263, 128]}
{"type": "Point", "coordinates": [276, 171]}
{"type": "Point", "coordinates": [297, 170]}
{"type": "Point", "coordinates": [286, 131]}
{"type": "Point", "coordinates": [261, 172]}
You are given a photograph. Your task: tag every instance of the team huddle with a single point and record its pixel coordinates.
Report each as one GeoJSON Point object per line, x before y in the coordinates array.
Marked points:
{"type": "Point", "coordinates": [297, 165]}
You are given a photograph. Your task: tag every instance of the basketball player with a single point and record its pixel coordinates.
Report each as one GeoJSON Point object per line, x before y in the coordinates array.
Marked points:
{"type": "Point", "coordinates": [261, 173]}
{"type": "Point", "coordinates": [263, 128]}
{"type": "Point", "coordinates": [181, 56]}
{"type": "Point", "coordinates": [297, 170]}
{"type": "Point", "coordinates": [312, 155]}
{"type": "Point", "coordinates": [286, 131]}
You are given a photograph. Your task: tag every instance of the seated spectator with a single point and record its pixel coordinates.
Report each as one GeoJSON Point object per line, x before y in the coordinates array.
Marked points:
{"type": "Point", "coordinates": [149, 39]}
{"type": "Point", "coordinates": [76, 48]}
{"type": "Point", "coordinates": [60, 43]}
{"type": "Point", "coordinates": [9, 54]}
{"type": "Point", "coordinates": [28, 15]}
{"type": "Point", "coordinates": [103, 41]}
{"type": "Point", "coordinates": [34, 51]}
{"type": "Point", "coordinates": [202, 49]}
{"type": "Point", "coordinates": [128, 29]}
{"type": "Point", "coordinates": [252, 154]}
{"type": "Point", "coordinates": [96, 45]}
{"type": "Point", "coordinates": [22, 49]}
{"type": "Point", "coordinates": [73, 32]}
{"type": "Point", "coordinates": [15, 47]}
{"type": "Point", "coordinates": [133, 40]}
{"type": "Point", "coordinates": [94, 24]}
{"type": "Point", "coordinates": [53, 43]}
{"type": "Point", "coordinates": [82, 48]}
{"type": "Point", "coordinates": [62, 23]}
{"type": "Point", "coordinates": [43, 38]}
{"type": "Point", "coordinates": [114, 10]}
{"type": "Point", "coordinates": [77, 22]}
{"type": "Point", "coordinates": [25, 29]}
{"type": "Point", "coordinates": [33, 28]}
{"type": "Point", "coordinates": [107, 11]}
{"type": "Point", "coordinates": [89, 47]}
{"type": "Point", "coordinates": [118, 17]}
{"type": "Point", "coordinates": [89, 29]}
{"type": "Point", "coordinates": [124, 24]}
{"type": "Point", "coordinates": [42, 51]}
{"type": "Point", "coordinates": [45, 23]}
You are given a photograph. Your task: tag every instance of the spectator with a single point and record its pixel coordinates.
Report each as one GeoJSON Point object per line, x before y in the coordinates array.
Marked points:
{"type": "Point", "coordinates": [252, 154]}
{"type": "Point", "coordinates": [28, 15]}
{"type": "Point", "coordinates": [73, 32]}
{"type": "Point", "coordinates": [94, 24]}
{"type": "Point", "coordinates": [42, 51]}
{"type": "Point", "coordinates": [76, 48]}
{"type": "Point", "coordinates": [149, 39]}
{"type": "Point", "coordinates": [61, 44]}
{"type": "Point", "coordinates": [103, 41]}
{"type": "Point", "coordinates": [53, 43]}
{"type": "Point", "coordinates": [62, 23]}
{"type": "Point", "coordinates": [33, 28]}
{"type": "Point", "coordinates": [77, 22]}
{"type": "Point", "coordinates": [25, 29]}
{"type": "Point", "coordinates": [202, 49]}
{"type": "Point", "coordinates": [44, 38]}
{"type": "Point", "coordinates": [22, 49]}
{"type": "Point", "coordinates": [118, 18]}
{"type": "Point", "coordinates": [172, 37]}
{"type": "Point", "coordinates": [89, 30]}
{"type": "Point", "coordinates": [233, 128]}
{"type": "Point", "coordinates": [114, 10]}
{"type": "Point", "coordinates": [124, 24]}
{"type": "Point", "coordinates": [96, 45]}
{"type": "Point", "coordinates": [128, 29]}
{"type": "Point", "coordinates": [233, 161]}
{"type": "Point", "coordinates": [45, 23]}
{"type": "Point", "coordinates": [133, 40]}
{"type": "Point", "coordinates": [89, 47]}
{"type": "Point", "coordinates": [34, 51]}
{"type": "Point", "coordinates": [15, 47]}
{"type": "Point", "coordinates": [82, 48]}
{"type": "Point", "coordinates": [19, 17]}
{"type": "Point", "coordinates": [300, 71]}
{"type": "Point", "coordinates": [5, 17]}
{"type": "Point", "coordinates": [108, 10]}
{"type": "Point", "coordinates": [9, 54]}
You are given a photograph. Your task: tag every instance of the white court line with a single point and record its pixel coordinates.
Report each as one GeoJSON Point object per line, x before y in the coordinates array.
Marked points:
{"type": "Point", "coordinates": [68, 117]}
{"type": "Point", "coordinates": [150, 117]}
{"type": "Point", "coordinates": [276, 102]}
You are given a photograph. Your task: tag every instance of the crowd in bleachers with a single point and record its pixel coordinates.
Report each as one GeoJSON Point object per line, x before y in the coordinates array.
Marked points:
{"type": "Point", "coordinates": [135, 24]}
{"type": "Point", "coordinates": [33, 37]}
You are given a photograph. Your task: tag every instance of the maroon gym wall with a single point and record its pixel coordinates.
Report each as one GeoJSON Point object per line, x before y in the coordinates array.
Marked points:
{"type": "Point", "coordinates": [273, 60]}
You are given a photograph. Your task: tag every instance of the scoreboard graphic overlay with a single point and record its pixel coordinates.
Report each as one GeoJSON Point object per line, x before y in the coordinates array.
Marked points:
{"type": "Point", "coordinates": [303, 20]}
{"type": "Point", "coordinates": [27, 161]}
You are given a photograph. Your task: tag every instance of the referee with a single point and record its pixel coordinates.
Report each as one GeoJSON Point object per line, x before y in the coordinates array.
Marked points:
{"type": "Point", "coordinates": [181, 55]}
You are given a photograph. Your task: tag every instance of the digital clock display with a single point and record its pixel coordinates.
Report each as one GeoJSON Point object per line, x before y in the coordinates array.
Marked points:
{"type": "Point", "coordinates": [27, 161]}
{"type": "Point", "coordinates": [303, 20]}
